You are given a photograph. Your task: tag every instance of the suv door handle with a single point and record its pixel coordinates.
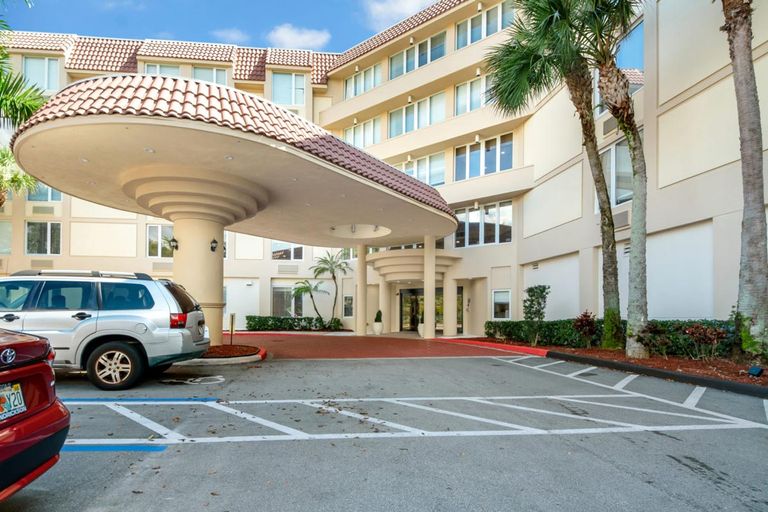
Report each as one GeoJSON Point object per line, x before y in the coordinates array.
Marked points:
{"type": "Point", "coordinates": [82, 315]}
{"type": "Point", "coordinates": [10, 317]}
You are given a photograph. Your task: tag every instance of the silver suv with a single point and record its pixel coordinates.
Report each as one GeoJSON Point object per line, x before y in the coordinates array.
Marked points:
{"type": "Point", "coordinates": [118, 326]}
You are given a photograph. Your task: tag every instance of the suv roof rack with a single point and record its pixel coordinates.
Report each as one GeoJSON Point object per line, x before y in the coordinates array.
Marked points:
{"type": "Point", "coordinates": [85, 273]}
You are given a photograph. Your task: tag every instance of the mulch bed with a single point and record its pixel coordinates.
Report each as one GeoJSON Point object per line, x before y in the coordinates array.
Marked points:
{"type": "Point", "coordinates": [723, 369]}
{"type": "Point", "coordinates": [220, 351]}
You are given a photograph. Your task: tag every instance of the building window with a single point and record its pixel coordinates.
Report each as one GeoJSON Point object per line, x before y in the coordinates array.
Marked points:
{"type": "Point", "coordinates": [215, 75]}
{"type": "Point", "coordinates": [362, 82]}
{"type": "Point", "coordinates": [43, 193]}
{"type": "Point", "coordinates": [429, 169]}
{"type": "Point", "coordinates": [487, 23]}
{"type": "Point", "coordinates": [417, 55]}
{"type": "Point", "coordinates": [483, 158]}
{"type": "Point", "coordinates": [6, 239]}
{"type": "Point", "coordinates": [284, 303]}
{"type": "Point", "coordinates": [162, 69]}
{"type": "Point", "coordinates": [348, 306]}
{"type": "Point", "coordinates": [42, 72]}
{"type": "Point", "coordinates": [471, 95]}
{"type": "Point", "coordinates": [421, 114]}
{"type": "Point", "coordinates": [364, 134]}
{"type": "Point", "coordinates": [287, 251]}
{"type": "Point", "coordinates": [617, 167]}
{"type": "Point", "coordinates": [288, 88]}
{"type": "Point", "coordinates": [159, 238]}
{"type": "Point", "coordinates": [484, 225]}
{"type": "Point", "coordinates": [502, 304]}
{"type": "Point", "coordinates": [43, 238]}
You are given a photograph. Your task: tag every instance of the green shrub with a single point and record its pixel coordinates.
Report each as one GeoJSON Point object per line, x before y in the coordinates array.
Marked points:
{"type": "Point", "coordinates": [279, 323]}
{"type": "Point", "coordinates": [534, 307]}
{"type": "Point", "coordinates": [685, 338]}
{"type": "Point", "coordinates": [335, 324]}
{"type": "Point", "coordinates": [378, 317]}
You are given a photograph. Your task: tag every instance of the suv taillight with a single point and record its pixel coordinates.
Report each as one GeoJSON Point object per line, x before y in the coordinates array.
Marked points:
{"type": "Point", "coordinates": [178, 320]}
{"type": "Point", "coordinates": [50, 357]}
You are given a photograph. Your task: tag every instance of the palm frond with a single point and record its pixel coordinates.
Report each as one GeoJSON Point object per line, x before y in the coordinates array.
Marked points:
{"type": "Point", "coordinates": [12, 178]}
{"type": "Point", "coordinates": [18, 99]}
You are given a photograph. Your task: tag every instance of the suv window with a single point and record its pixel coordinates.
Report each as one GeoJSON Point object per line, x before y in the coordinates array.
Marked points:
{"type": "Point", "coordinates": [116, 296]}
{"type": "Point", "coordinates": [184, 299]}
{"type": "Point", "coordinates": [13, 294]}
{"type": "Point", "coordinates": [70, 295]}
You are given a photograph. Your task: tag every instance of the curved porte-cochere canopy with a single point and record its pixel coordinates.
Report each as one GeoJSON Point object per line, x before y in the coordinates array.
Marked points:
{"type": "Point", "coordinates": [183, 149]}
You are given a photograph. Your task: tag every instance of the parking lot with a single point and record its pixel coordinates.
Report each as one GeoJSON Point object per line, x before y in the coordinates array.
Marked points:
{"type": "Point", "coordinates": [494, 432]}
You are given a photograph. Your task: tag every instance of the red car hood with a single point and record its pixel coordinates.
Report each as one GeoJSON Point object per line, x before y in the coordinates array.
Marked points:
{"type": "Point", "coordinates": [27, 348]}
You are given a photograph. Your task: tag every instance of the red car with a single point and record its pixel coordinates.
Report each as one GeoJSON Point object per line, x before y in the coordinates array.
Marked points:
{"type": "Point", "coordinates": [33, 422]}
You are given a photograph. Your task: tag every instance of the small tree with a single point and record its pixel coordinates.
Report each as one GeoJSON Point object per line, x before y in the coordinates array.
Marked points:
{"type": "Point", "coordinates": [303, 288]}
{"type": "Point", "coordinates": [377, 319]}
{"type": "Point", "coordinates": [333, 265]}
{"type": "Point", "coordinates": [13, 179]}
{"type": "Point", "coordinates": [534, 309]}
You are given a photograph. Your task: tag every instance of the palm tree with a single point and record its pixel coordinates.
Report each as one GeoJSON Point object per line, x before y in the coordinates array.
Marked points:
{"type": "Point", "coordinates": [13, 179]}
{"type": "Point", "coordinates": [304, 287]}
{"type": "Point", "coordinates": [334, 265]}
{"type": "Point", "coordinates": [752, 305]}
{"type": "Point", "coordinates": [601, 26]}
{"type": "Point", "coordinates": [541, 52]}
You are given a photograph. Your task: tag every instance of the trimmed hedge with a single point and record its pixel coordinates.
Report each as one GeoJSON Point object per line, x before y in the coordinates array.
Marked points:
{"type": "Point", "coordinates": [279, 323]}
{"type": "Point", "coordinates": [664, 337]}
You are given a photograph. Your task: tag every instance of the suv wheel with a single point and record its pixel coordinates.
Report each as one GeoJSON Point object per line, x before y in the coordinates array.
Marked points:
{"type": "Point", "coordinates": [114, 366]}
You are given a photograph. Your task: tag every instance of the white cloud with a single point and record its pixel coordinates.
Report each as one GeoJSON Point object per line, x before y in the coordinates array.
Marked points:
{"type": "Point", "coordinates": [111, 5]}
{"type": "Point", "coordinates": [165, 35]}
{"type": "Point", "coordinates": [288, 36]}
{"type": "Point", "coordinates": [231, 35]}
{"type": "Point", "coordinates": [382, 14]}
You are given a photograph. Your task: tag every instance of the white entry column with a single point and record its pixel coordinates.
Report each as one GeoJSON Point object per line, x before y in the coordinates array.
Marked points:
{"type": "Point", "coordinates": [429, 286]}
{"type": "Point", "coordinates": [384, 302]}
{"type": "Point", "coordinates": [361, 295]}
{"type": "Point", "coordinates": [450, 311]}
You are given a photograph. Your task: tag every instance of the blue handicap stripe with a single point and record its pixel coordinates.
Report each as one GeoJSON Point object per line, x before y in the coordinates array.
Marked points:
{"type": "Point", "coordinates": [137, 399]}
{"type": "Point", "coordinates": [113, 448]}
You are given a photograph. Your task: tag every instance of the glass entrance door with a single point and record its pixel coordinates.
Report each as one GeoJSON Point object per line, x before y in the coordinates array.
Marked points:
{"type": "Point", "coordinates": [411, 308]}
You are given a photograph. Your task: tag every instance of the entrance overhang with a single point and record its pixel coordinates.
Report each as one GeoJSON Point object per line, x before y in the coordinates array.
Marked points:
{"type": "Point", "coordinates": [407, 265]}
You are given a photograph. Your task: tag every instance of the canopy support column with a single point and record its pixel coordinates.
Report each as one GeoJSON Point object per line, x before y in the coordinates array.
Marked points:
{"type": "Point", "coordinates": [429, 286]}
{"type": "Point", "coordinates": [361, 299]}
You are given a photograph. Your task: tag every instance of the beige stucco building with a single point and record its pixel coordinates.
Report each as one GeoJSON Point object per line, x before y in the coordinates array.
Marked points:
{"type": "Point", "coordinates": [413, 96]}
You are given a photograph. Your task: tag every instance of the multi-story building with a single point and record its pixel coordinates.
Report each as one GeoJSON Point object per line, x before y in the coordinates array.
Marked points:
{"type": "Point", "coordinates": [414, 96]}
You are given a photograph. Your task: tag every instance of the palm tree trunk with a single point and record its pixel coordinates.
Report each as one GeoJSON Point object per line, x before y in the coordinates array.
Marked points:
{"type": "Point", "coordinates": [614, 89]}
{"type": "Point", "coordinates": [580, 87]}
{"type": "Point", "coordinates": [753, 278]}
{"type": "Point", "coordinates": [314, 306]}
{"type": "Point", "coordinates": [3, 197]}
{"type": "Point", "coordinates": [335, 296]}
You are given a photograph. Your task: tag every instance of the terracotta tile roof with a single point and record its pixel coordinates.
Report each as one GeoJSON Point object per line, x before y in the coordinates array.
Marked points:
{"type": "Point", "coordinates": [282, 57]}
{"type": "Point", "coordinates": [38, 40]}
{"type": "Point", "coordinates": [321, 64]}
{"type": "Point", "coordinates": [104, 54]}
{"type": "Point", "coordinates": [250, 64]}
{"type": "Point", "coordinates": [635, 76]}
{"type": "Point", "coordinates": [180, 98]}
{"type": "Point", "coordinates": [397, 30]}
{"type": "Point", "coordinates": [187, 50]}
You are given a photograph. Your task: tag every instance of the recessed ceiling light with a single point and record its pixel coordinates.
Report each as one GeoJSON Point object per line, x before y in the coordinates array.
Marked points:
{"type": "Point", "coordinates": [228, 157]}
{"type": "Point", "coordinates": [343, 195]}
{"type": "Point", "coordinates": [149, 150]}
{"type": "Point", "coordinates": [308, 205]}
{"type": "Point", "coordinates": [294, 180]}
{"type": "Point", "coordinates": [91, 182]}
{"type": "Point", "coordinates": [84, 160]}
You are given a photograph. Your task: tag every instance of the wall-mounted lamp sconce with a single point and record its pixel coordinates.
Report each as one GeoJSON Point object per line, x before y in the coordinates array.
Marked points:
{"type": "Point", "coordinates": [354, 120]}
{"type": "Point", "coordinates": [410, 99]}
{"type": "Point", "coordinates": [479, 6]}
{"type": "Point", "coordinates": [174, 244]}
{"type": "Point", "coordinates": [409, 157]}
{"type": "Point", "coordinates": [410, 40]}
{"type": "Point", "coordinates": [357, 68]}
{"type": "Point", "coordinates": [477, 72]}
{"type": "Point", "coordinates": [477, 137]}
{"type": "Point", "coordinates": [214, 245]}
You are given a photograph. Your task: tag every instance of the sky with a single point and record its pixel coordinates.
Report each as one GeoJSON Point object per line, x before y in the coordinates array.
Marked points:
{"type": "Point", "coordinates": [327, 25]}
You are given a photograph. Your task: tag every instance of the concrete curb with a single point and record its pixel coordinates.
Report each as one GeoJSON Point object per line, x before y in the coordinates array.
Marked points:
{"type": "Point", "coordinates": [709, 382]}
{"type": "Point", "coordinates": [500, 346]}
{"type": "Point", "coordinates": [223, 361]}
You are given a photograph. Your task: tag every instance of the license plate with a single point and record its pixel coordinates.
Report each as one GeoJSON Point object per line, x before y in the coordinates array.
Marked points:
{"type": "Point", "coordinates": [11, 401]}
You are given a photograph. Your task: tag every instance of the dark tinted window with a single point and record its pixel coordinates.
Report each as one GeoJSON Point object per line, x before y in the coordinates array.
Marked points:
{"type": "Point", "coordinates": [115, 296]}
{"type": "Point", "coordinates": [70, 295]}
{"type": "Point", "coordinates": [13, 294]}
{"type": "Point", "coordinates": [184, 299]}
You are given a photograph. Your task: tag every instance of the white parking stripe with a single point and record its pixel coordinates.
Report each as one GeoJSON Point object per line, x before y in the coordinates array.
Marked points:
{"type": "Point", "coordinates": [146, 422]}
{"type": "Point", "coordinates": [553, 363]}
{"type": "Point", "coordinates": [584, 370]}
{"type": "Point", "coordinates": [256, 419]}
{"type": "Point", "coordinates": [561, 414]}
{"type": "Point", "coordinates": [415, 398]}
{"type": "Point", "coordinates": [642, 409]}
{"type": "Point", "coordinates": [694, 397]}
{"type": "Point", "coordinates": [369, 419]}
{"type": "Point", "coordinates": [626, 380]}
{"type": "Point", "coordinates": [465, 416]}
{"type": "Point", "coordinates": [765, 406]}
{"type": "Point", "coordinates": [514, 359]}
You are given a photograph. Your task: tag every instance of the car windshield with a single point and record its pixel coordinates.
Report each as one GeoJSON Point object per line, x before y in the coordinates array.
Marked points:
{"type": "Point", "coordinates": [186, 302]}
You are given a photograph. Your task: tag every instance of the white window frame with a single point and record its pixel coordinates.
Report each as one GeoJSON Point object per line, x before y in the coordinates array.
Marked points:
{"type": "Point", "coordinates": [497, 232]}
{"type": "Point", "coordinates": [483, 25]}
{"type": "Point", "coordinates": [377, 81]}
{"type": "Point", "coordinates": [424, 104]}
{"type": "Point", "coordinates": [375, 130]}
{"type": "Point", "coordinates": [611, 176]}
{"type": "Point", "coordinates": [159, 228]}
{"type": "Point", "coordinates": [414, 166]}
{"type": "Point", "coordinates": [483, 95]}
{"type": "Point", "coordinates": [343, 306]}
{"type": "Point", "coordinates": [293, 87]}
{"type": "Point", "coordinates": [47, 60]}
{"type": "Point", "coordinates": [294, 299]}
{"type": "Point", "coordinates": [482, 143]}
{"type": "Point", "coordinates": [47, 238]}
{"type": "Point", "coordinates": [292, 246]}
{"type": "Point", "coordinates": [415, 48]}
{"type": "Point", "coordinates": [508, 291]}
{"type": "Point", "coordinates": [217, 73]}
{"type": "Point", "coordinates": [159, 66]}
{"type": "Point", "coordinates": [49, 195]}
